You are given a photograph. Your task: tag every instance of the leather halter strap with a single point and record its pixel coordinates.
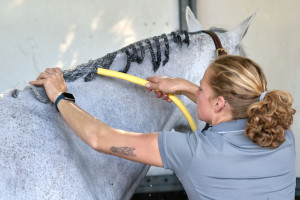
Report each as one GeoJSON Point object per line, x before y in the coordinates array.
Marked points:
{"type": "Point", "coordinates": [220, 50]}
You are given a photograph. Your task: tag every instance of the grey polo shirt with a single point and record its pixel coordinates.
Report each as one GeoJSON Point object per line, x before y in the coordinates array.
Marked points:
{"type": "Point", "coordinates": [222, 163]}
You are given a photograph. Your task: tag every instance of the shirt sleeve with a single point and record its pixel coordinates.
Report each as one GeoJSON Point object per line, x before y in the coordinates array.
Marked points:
{"type": "Point", "coordinates": [176, 150]}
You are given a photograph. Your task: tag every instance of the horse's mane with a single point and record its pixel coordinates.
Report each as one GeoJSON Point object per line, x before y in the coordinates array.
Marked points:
{"type": "Point", "coordinates": [131, 51]}
{"type": "Point", "coordinates": [89, 70]}
{"type": "Point", "coordinates": [134, 52]}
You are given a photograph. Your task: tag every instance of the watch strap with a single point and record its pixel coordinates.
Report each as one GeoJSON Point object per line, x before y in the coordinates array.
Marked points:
{"type": "Point", "coordinates": [60, 97]}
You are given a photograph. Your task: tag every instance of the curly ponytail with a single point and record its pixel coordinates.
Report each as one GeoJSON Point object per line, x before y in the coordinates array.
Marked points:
{"type": "Point", "coordinates": [241, 82]}
{"type": "Point", "coordinates": [268, 119]}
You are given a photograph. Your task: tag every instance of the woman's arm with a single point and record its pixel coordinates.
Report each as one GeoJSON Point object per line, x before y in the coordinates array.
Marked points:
{"type": "Point", "coordinates": [101, 137]}
{"type": "Point", "coordinates": [137, 147]}
{"type": "Point", "coordinates": [167, 85]}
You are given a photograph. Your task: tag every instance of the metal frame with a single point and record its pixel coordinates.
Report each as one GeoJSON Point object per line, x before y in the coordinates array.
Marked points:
{"type": "Point", "coordinates": [163, 183]}
{"type": "Point", "coordinates": [297, 187]}
{"type": "Point", "coordinates": [182, 6]}
{"type": "Point", "coordinates": [170, 183]}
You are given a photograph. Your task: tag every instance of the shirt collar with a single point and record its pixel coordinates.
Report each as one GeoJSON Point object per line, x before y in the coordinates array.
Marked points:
{"type": "Point", "coordinates": [229, 126]}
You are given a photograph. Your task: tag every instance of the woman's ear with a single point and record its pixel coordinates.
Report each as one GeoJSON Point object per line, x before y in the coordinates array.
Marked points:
{"type": "Point", "coordinates": [220, 104]}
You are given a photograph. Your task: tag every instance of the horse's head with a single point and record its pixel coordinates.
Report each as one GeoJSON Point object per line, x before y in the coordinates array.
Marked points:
{"type": "Point", "coordinates": [206, 50]}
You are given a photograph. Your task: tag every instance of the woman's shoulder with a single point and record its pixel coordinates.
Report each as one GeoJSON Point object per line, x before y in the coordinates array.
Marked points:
{"type": "Point", "coordinates": [230, 137]}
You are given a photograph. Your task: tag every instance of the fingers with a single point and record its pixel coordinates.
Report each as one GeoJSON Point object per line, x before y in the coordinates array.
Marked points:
{"type": "Point", "coordinates": [51, 76]}
{"type": "Point", "coordinates": [153, 79]}
{"type": "Point", "coordinates": [162, 83]}
{"type": "Point", "coordinates": [153, 82]}
{"type": "Point", "coordinates": [58, 70]}
{"type": "Point", "coordinates": [37, 82]}
{"type": "Point", "coordinates": [54, 71]}
{"type": "Point", "coordinates": [50, 72]}
{"type": "Point", "coordinates": [44, 75]}
{"type": "Point", "coordinates": [152, 86]}
{"type": "Point", "coordinates": [164, 96]}
{"type": "Point", "coordinates": [158, 94]}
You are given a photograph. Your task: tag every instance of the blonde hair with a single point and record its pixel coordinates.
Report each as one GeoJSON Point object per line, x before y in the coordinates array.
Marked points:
{"type": "Point", "coordinates": [241, 82]}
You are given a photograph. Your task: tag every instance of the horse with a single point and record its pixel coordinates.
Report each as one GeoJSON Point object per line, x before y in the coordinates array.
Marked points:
{"type": "Point", "coordinates": [40, 156]}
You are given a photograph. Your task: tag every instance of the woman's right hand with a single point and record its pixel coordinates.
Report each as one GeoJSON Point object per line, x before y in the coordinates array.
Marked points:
{"type": "Point", "coordinates": [163, 86]}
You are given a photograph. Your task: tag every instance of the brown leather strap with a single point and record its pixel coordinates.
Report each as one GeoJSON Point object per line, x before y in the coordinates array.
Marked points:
{"type": "Point", "coordinates": [220, 50]}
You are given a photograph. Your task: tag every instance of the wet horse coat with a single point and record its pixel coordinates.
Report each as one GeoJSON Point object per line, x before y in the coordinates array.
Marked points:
{"type": "Point", "coordinates": [40, 156]}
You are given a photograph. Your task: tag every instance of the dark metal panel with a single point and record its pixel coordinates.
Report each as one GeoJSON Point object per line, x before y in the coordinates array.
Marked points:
{"type": "Point", "coordinates": [297, 187]}
{"type": "Point", "coordinates": [170, 183]}
{"type": "Point", "coordinates": [167, 183]}
{"type": "Point", "coordinates": [182, 6]}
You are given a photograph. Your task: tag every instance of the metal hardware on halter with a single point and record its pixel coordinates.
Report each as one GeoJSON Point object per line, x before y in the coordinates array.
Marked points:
{"type": "Point", "coordinates": [220, 52]}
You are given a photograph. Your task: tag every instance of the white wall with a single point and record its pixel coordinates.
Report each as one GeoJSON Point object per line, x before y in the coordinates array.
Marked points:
{"type": "Point", "coordinates": [272, 41]}
{"type": "Point", "coordinates": [38, 34]}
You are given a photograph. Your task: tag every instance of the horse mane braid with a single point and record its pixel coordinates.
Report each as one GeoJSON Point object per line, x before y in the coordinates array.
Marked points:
{"type": "Point", "coordinates": [132, 56]}
{"type": "Point", "coordinates": [89, 70]}
{"type": "Point", "coordinates": [158, 53]}
{"type": "Point", "coordinates": [167, 50]}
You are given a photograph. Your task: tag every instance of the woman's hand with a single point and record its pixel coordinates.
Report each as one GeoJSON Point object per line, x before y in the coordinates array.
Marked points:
{"type": "Point", "coordinates": [53, 81]}
{"type": "Point", "coordinates": [163, 86]}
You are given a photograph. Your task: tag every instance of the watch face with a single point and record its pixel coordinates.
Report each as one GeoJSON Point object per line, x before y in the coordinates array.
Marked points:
{"type": "Point", "coordinates": [69, 96]}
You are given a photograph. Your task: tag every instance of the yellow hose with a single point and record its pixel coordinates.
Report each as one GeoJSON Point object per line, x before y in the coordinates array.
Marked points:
{"type": "Point", "coordinates": [142, 82]}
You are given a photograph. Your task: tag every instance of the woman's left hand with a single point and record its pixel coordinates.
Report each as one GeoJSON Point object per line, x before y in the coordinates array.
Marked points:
{"type": "Point", "coordinates": [53, 81]}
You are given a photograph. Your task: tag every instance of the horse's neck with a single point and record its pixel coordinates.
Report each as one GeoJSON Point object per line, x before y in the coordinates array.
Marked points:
{"type": "Point", "coordinates": [185, 62]}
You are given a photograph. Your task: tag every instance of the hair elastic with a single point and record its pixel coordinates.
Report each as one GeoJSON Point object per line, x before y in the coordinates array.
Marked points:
{"type": "Point", "coordinates": [262, 95]}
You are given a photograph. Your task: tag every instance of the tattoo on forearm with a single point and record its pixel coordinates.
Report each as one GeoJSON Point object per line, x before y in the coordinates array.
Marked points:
{"type": "Point", "coordinates": [126, 151]}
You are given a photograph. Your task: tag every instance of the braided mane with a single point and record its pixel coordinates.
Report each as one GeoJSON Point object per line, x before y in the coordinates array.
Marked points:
{"type": "Point", "coordinates": [134, 52]}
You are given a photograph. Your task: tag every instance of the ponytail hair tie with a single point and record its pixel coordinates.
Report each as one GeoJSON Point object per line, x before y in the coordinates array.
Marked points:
{"type": "Point", "coordinates": [262, 95]}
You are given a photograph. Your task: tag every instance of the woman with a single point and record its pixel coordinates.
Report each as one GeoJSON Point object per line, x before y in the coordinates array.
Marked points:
{"type": "Point", "coordinates": [248, 153]}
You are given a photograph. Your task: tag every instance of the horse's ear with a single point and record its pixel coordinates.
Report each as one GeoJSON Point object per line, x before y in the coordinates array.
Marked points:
{"type": "Point", "coordinates": [193, 24]}
{"type": "Point", "coordinates": [238, 33]}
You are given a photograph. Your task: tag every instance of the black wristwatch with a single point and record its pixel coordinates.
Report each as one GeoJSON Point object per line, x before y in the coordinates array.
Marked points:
{"type": "Point", "coordinates": [66, 96]}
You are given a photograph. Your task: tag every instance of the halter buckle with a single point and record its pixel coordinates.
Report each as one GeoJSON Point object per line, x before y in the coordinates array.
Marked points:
{"type": "Point", "coordinates": [220, 52]}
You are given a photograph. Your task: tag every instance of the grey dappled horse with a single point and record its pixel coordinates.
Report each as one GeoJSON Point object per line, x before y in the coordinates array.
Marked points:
{"type": "Point", "coordinates": [40, 156]}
